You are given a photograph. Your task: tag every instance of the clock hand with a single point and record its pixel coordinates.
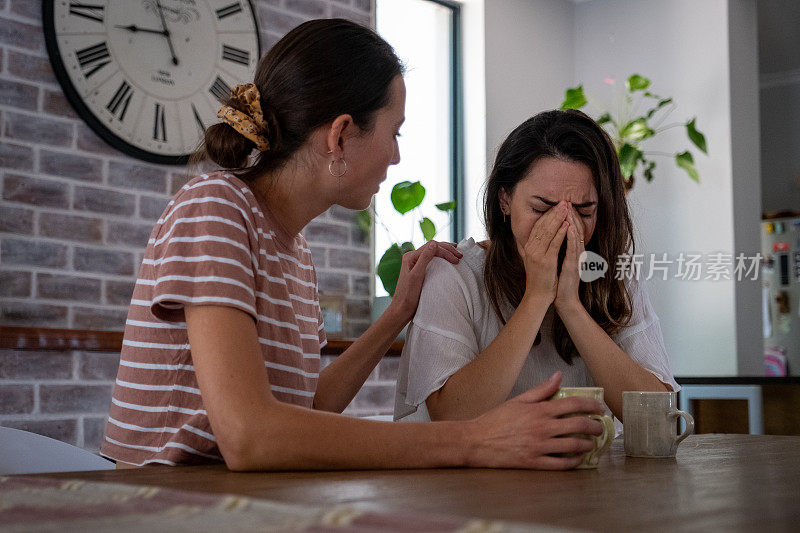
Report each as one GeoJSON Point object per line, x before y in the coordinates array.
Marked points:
{"type": "Point", "coordinates": [166, 33]}
{"type": "Point", "coordinates": [134, 28]}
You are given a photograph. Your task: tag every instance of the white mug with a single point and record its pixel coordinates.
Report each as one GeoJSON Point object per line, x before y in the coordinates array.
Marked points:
{"type": "Point", "coordinates": [649, 423]}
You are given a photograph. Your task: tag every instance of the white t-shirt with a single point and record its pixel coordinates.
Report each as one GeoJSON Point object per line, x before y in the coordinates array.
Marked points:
{"type": "Point", "coordinates": [455, 321]}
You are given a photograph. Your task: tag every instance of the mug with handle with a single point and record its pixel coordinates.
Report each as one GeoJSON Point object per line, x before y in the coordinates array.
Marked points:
{"type": "Point", "coordinates": [602, 442]}
{"type": "Point", "coordinates": [649, 420]}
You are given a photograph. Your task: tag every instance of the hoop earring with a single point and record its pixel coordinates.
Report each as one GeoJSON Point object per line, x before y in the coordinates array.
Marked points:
{"type": "Point", "coordinates": [330, 168]}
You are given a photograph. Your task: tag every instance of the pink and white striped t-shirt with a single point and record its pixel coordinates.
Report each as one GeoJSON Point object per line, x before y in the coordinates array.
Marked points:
{"type": "Point", "coordinates": [213, 245]}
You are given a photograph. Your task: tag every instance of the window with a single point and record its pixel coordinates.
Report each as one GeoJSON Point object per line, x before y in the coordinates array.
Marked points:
{"type": "Point", "coordinates": [425, 35]}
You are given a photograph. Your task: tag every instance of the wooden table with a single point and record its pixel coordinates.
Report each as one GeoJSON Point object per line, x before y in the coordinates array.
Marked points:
{"type": "Point", "coordinates": [717, 482]}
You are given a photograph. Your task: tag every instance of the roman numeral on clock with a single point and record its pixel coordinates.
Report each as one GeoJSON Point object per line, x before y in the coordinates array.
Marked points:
{"type": "Point", "coordinates": [227, 11]}
{"type": "Point", "coordinates": [120, 101]}
{"type": "Point", "coordinates": [160, 124]}
{"type": "Point", "coordinates": [220, 89]}
{"type": "Point", "coordinates": [93, 58]}
{"type": "Point", "coordinates": [229, 53]}
{"type": "Point", "coordinates": [87, 11]}
{"type": "Point", "coordinates": [198, 119]}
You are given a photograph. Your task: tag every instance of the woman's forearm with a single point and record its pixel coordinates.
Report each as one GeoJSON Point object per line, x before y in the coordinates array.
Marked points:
{"type": "Point", "coordinates": [610, 367]}
{"type": "Point", "coordinates": [486, 381]}
{"type": "Point", "coordinates": [294, 438]}
{"type": "Point", "coordinates": [341, 380]}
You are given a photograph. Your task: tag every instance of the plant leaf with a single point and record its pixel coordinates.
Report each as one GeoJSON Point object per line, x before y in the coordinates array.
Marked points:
{"type": "Point", "coordinates": [636, 130]}
{"type": "Point", "coordinates": [686, 162]}
{"type": "Point", "coordinates": [574, 98]}
{"type": "Point", "coordinates": [428, 228]}
{"type": "Point", "coordinates": [695, 136]}
{"type": "Point", "coordinates": [628, 158]}
{"type": "Point", "coordinates": [406, 247]}
{"type": "Point", "coordinates": [637, 83]}
{"type": "Point", "coordinates": [388, 268]}
{"type": "Point", "coordinates": [606, 117]}
{"type": "Point", "coordinates": [365, 221]}
{"type": "Point", "coordinates": [661, 103]}
{"type": "Point", "coordinates": [648, 171]}
{"type": "Point", "coordinates": [446, 206]}
{"type": "Point", "coordinates": [407, 195]}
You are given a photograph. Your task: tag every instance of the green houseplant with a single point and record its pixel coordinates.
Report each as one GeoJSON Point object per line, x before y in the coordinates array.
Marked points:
{"type": "Point", "coordinates": [406, 197]}
{"type": "Point", "coordinates": [641, 116]}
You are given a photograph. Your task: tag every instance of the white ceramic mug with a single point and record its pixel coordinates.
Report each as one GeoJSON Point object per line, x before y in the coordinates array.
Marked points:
{"type": "Point", "coordinates": [649, 421]}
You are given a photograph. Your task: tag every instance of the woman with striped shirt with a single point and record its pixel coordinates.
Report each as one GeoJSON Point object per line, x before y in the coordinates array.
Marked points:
{"type": "Point", "coordinates": [220, 358]}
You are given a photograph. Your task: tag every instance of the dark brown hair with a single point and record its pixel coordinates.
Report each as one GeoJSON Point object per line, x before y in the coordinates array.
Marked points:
{"type": "Point", "coordinates": [572, 136]}
{"type": "Point", "coordinates": [319, 70]}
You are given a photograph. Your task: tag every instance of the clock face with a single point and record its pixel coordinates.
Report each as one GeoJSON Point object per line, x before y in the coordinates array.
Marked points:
{"type": "Point", "coordinates": [148, 75]}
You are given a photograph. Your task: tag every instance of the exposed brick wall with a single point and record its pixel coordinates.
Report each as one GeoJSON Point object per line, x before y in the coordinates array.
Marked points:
{"type": "Point", "coordinates": [75, 215]}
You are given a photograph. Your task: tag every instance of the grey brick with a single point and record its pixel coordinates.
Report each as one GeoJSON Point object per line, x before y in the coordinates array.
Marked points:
{"type": "Point", "coordinates": [31, 253]}
{"type": "Point", "coordinates": [313, 8]}
{"type": "Point", "coordinates": [71, 227]}
{"type": "Point", "coordinates": [377, 397]}
{"type": "Point", "coordinates": [388, 367]}
{"type": "Point", "coordinates": [66, 165]}
{"type": "Point", "coordinates": [137, 177]}
{"type": "Point", "coordinates": [37, 129]}
{"type": "Point", "coordinates": [119, 292]}
{"type": "Point", "coordinates": [332, 282]}
{"type": "Point", "coordinates": [353, 330]}
{"type": "Point", "coordinates": [89, 141]}
{"type": "Point", "coordinates": [60, 287]}
{"type": "Point", "coordinates": [324, 233]}
{"type": "Point", "coordinates": [30, 67]}
{"type": "Point", "coordinates": [16, 156]}
{"type": "Point", "coordinates": [26, 8]}
{"type": "Point", "coordinates": [35, 365]}
{"type": "Point", "coordinates": [177, 181]}
{"type": "Point", "coordinates": [363, 5]}
{"type": "Point", "coordinates": [55, 103]}
{"type": "Point", "coordinates": [352, 259]}
{"type": "Point", "coordinates": [98, 366]}
{"type": "Point", "coordinates": [19, 95]}
{"type": "Point", "coordinates": [357, 309]}
{"type": "Point", "coordinates": [93, 431]}
{"type": "Point", "coordinates": [104, 261]}
{"type": "Point", "coordinates": [74, 398]}
{"type": "Point", "coordinates": [27, 314]}
{"type": "Point", "coordinates": [20, 34]}
{"type": "Point", "coordinates": [15, 284]}
{"type": "Point", "coordinates": [359, 237]}
{"type": "Point", "coordinates": [359, 285]}
{"type": "Point", "coordinates": [338, 212]}
{"type": "Point", "coordinates": [277, 21]}
{"type": "Point", "coordinates": [359, 17]}
{"type": "Point", "coordinates": [65, 430]}
{"type": "Point", "coordinates": [15, 220]}
{"type": "Point", "coordinates": [268, 39]}
{"type": "Point", "coordinates": [35, 191]}
{"type": "Point", "coordinates": [151, 207]}
{"type": "Point", "coordinates": [319, 255]}
{"type": "Point", "coordinates": [104, 201]}
{"type": "Point", "coordinates": [16, 399]}
{"type": "Point", "coordinates": [99, 319]}
{"type": "Point", "coordinates": [128, 233]}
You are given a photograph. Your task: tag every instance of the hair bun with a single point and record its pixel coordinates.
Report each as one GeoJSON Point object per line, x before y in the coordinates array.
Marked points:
{"type": "Point", "coordinates": [226, 147]}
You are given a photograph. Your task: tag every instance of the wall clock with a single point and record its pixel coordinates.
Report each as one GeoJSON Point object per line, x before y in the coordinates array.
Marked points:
{"type": "Point", "coordinates": [148, 75]}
